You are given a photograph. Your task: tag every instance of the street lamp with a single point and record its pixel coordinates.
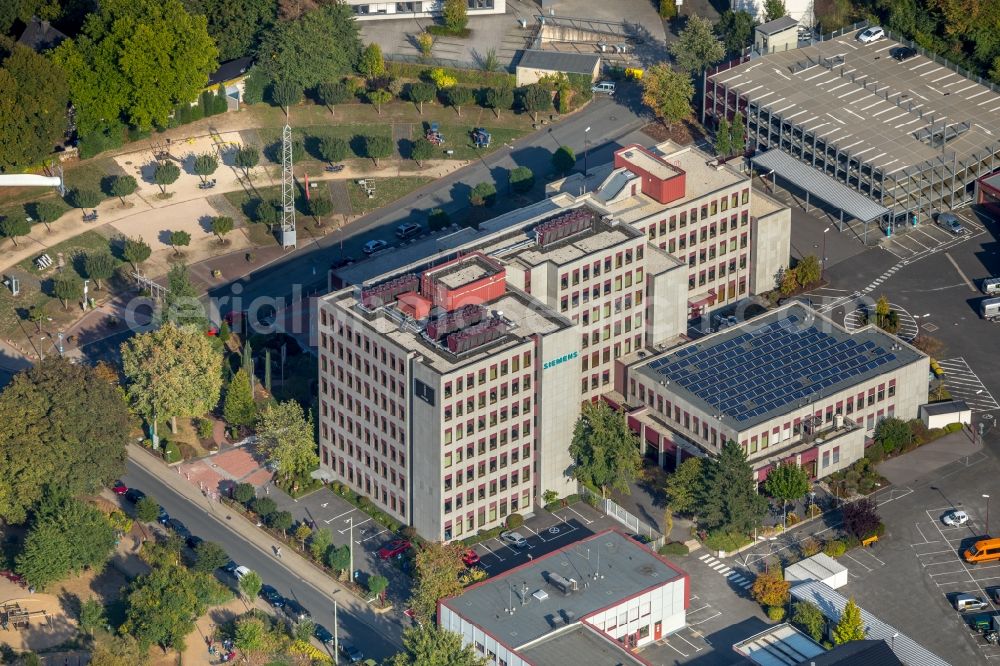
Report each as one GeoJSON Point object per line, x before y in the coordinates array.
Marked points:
{"type": "Point", "coordinates": [987, 498]}
{"type": "Point", "coordinates": [586, 142]}
{"type": "Point", "coordinates": [822, 272]}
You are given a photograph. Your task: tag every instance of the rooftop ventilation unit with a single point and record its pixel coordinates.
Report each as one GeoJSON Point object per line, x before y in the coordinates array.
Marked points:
{"type": "Point", "coordinates": [541, 595]}
{"type": "Point", "coordinates": [476, 336]}
{"type": "Point", "coordinates": [563, 226]}
{"type": "Point", "coordinates": [566, 586]}
{"type": "Point", "coordinates": [380, 294]}
{"type": "Point", "coordinates": [466, 315]}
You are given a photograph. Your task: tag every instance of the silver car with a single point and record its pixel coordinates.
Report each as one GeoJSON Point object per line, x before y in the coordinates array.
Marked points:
{"type": "Point", "coordinates": [514, 538]}
{"type": "Point", "coordinates": [950, 222]}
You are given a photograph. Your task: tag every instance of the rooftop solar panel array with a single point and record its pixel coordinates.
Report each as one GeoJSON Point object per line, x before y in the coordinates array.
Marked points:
{"type": "Point", "coordinates": [758, 371]}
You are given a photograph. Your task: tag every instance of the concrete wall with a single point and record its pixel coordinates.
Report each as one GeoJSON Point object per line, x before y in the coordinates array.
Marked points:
{"type": "Point", "coordinates": [666, 308]}
{"type": "Point", "coordinates": [665, 604]}
{"type": "Point", "coordinates": [839, 452]}
{"type": "Point", "coordinates": [382, 9]}
{"type": "Point", "coordinates": [558, 407]}
{"type": "Point", "coordinates": [425, 451]}
{"type": "Point", "coordinates": [771, 238]}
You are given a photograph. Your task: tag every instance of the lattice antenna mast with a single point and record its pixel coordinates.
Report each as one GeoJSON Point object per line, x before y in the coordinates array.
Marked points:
{"type": "Point", "coordinates": [287, 190]}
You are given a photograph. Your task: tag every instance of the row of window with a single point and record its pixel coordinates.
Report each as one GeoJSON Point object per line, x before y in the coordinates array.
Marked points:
{"type": "Point", "coordinates": [620, 282]}
{"type": "Point", "coordinates": [481, 423]}
{"type": "Point", "coordinates": [456, 457]}
{"type": "Point", "coordinates": [351, 444]}
{"type": "Point", "coordinates": [495, 394]}
{"type": "Point", "coordinates": [358, 342]}
{"type": "Point", "coordinates": [706, 233]}
{"type": "Point", "coordinates": [708, 276]}
{"type": "Point", "coordinates": [706, 254]}
{"type": "Point", "coordinates": [477, 520]}
{"type": "Point", "coordinates": [484, 490]}
{"type": "Point", "coordinates": [623, 258]}
{"type": "Point", "coordinates": [363, 483]}
{"type": "Point", "coordinates": [626, 324]}
{"type": "Point", "coordinates": [707, 210]}
{"type": "Point", "coordinates": [501, 369]}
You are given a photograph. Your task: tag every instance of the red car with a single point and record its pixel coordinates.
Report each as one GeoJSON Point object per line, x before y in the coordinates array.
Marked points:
{"type": "Point", "coordinates": [119, 488]}
{"type": "Point", "coordinates": [470, 558]}
{"type": "Point", "coordinates": [394, 549]}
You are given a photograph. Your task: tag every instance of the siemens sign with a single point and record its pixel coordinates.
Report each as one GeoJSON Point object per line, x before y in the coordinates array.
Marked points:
{"type": "Point", "coordinates": [562, 359]}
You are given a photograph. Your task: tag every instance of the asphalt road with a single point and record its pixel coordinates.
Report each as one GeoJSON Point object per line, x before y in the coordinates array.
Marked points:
{"type": "Point", "coordinates": [210, 524]}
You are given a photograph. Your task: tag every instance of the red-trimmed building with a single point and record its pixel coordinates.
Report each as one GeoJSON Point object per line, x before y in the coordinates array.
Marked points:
{"type": "Point", "coordinates": [595, 601]}
{"type": "Point", "coordinates": [988, 194]}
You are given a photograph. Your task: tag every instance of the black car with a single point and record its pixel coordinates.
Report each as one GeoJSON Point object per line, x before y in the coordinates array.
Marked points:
{"type": "Point", "coordinates": [353, 654]}
{"type": "Point", "coordinates": [295, 610]}
{"type": "Point", "coordinates": [179, 528]}
{"type": "Point", "coordinates": [903, 53]}
{"type": "Point", "coordinates": [271, 596]}
{"type": "Point", "coordinates": [133, 495]}
{"type": "Point", "coordinates": [322, 634]}
{"type": "Point", "coordinates": [230, 567]}
{"type": "Point", "coordinates": [193, 541]}
{"type": "Point", "coordinates": [163, 518]}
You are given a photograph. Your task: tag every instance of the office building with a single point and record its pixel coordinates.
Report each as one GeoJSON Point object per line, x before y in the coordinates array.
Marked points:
{"type": "Point", "coordinates": [372, 10]}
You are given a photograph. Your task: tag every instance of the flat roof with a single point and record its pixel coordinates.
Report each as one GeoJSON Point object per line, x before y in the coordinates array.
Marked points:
{"type": "Point", "coordinates": [651, 162]}
{"type": "Point", "coordinates": [577, 646]}
{"type": "Point", "coordinates": [818, 567]}
{"type": "Point", "coordinates": [777, 25]}
{"type": "Point", "coordinates": [831, 604]}
{"type": "Point", "coordinates": [626, 569]}
{"type": "Point", "coordinates": [758, 370]}
{"type": "Point", "coordinates": [556, 61]}
{"type": "Point", "coordinates": [993, 180]}
{"type": "Point", "coordinates": [949, 407]}
{"type": "Point", "coordinates": [780, 645]}
{"type": "Point", "coordinates": [397, 257]}
{"type": "Point", "coordinates": [820, 184]}
{"type": "Point", "coordinates": [857, 98]}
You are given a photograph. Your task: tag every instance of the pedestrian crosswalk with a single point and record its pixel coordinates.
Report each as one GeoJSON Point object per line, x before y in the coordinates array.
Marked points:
{"type": "Point", "coordinates": [720, 567]}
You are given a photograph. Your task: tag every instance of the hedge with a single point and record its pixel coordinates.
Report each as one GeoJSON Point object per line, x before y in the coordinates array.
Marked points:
{"type": "Point", "coordinates": [673, 548]}
{"type": "Point", "coordinates": [171, 453]}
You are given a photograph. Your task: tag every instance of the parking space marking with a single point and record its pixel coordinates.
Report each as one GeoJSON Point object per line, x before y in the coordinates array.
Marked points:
{"type": "Point", "coordinates": [674, 648]}
{"type": "Point", "coordinates": [372, 536]}
{"type": "Point", "coordinates": [490, 551]}
{"type": "Point", "coordinates": [964, 384]}
{"type": "Point", "coordinates": [339, 516]}
{"type": "Point", "coordinates": [586, 520]}
{"type": "Point", "coordinates": [695, 647]}
{"type": "Point", "coordinates": [710, 617]}
{"type": "Point", "coordinates": [356, 525]}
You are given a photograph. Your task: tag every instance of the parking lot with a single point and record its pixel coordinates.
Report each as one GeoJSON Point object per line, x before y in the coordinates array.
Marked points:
{"type": "Point", "coordinates": [926, 238]}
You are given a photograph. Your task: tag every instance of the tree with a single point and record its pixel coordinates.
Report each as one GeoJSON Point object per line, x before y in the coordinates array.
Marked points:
{"type": "Point", "coordinates": [67, 287]}
{"type": "Point", "coordinates": [789, 282]}
{"type": "Point", "coordinates": [147, 509]}
{"type": "Point", "coordinates": [667, 93]}
{"type": "Point", "coordinates": [322, 45]}
{"type": "Point", "coordinates": [247, 158]}
{"type": "Point", "coordinates": [285, 438]}
{"type": "Point", "coordinates": [498, 98]}
{"type": "Point", "coordinates": [808, 270]}
{"type": "Point", "coordinates": [456, 15]}
{"type": "Point", "coordinates": [421, 150]}
{"type": "Point", "coordinates": [205, 165]}
{"type": "Point", "coordinates": [162, 606]}
{"type": "Point", "coordinates": [179, 239]}
{"type": "Point", "coordinates": [377, 147]}
{"type": "Point", "coordinates": [222, 225]}
{"type": "Point", "coordinates": [99, 265]}
{"type": "Point", "coordinates": [459, 97]}
{"type": "Point", "coordinates": [810, 618]}
{"type": "Point", "coordinates": [123, 186]}
{"type": "Point", "coordinates": [428, 645]}
{"type": "Point", "coordinates": [92, 616]}
{"type": "Point", "coordinates": [250, 585]}
{"type": "Point", "coordinates": [436, 570]}
{"type": "Point", "coordinates": [320, 542]}
{"type": "Point", "coordinates": [239, 409]}
{"type": "Point", "coordinates": [33, 107]}
{"type": "Point", "coordinates": [696, 47]}
{"type": "Point", "coordinates": [181, 304]}
{"type": "Point", "coordinates": [684, 486]}
{"type": "Point", "coordinates": [302, 532]}
{"type": "Point", "coordinates": [604, 450]}
{"type": "Point", "coordinates": [735, 28]}
{"type": "Point", "coordinates": [378, 98]}
{"type": "Point", "coordinates": [333, 149]}
{"type": "Point", "coordinates": [338, 558]}
{"type": "Point", "coordinates": [12, 227]}
{"type": "Point", "coordinates": [483, 194]}
{"type": "Point", "coordinates": [425, 42]}
{"type": "Point", "coordinates": [729, 499]}
{"type": "Point", "coordinates": [372, 65]}
{"type": "Point", "coordinates": [774, 9]}
{"type": "Point", "coordinates": [893, 434]}
{"type": "Point", "coordinates": [136, 59]}
{"type": "Point", "coordinates": [320, 207]}
{"type": "Point", "coordinates": [438, 219]}
{"type": "Point", "coordinates": [254, 638]}
{"type": "Point", "coordinates": [281, 520]}
{"type": "Point", "coordinates": [738, 137]}
{"type": "Point", "coordinates": [85, 198]}
{"type": "Point", "coordinates": [563, 160]}
{"type": "Point", "coordinates": [237, 25]}
{"type": "Point", "coordinates": [522, 179]}
{"type": "Point", "coordinates": [66, 536]}
{"type": "Point", "coordinates": [244, 493]}
{"type": "Point", "coordinates": [172, 371]}
{"type": "Point", "coordinates": [47, 212]}
{"type": "Point", "coordinates": [136, 251]}
{"type": "Point", "coordinates": [421, 92]}
{"type": "Point", "coordinates": [111, 650]}
{"type": "Point", "coordinates": [332, 93]}
{"type": "Point", "coordinates": [264, 507]}
{"type": "Point", "coordinates": [36, 315]}
{"type": "Point", "coordinates": [377, 585]}
{"type": "Point", "coordinates": [850, 627]}
{"type": "Point", "coordinates": [723, 139]}
{"type": "Point", "coordinates": [534, 99]}
{"type": "Point", "coordinates": [770, 588]}
{"type": "Point", "coordinates": [286, 94]}
{"type": "Point", "coordinates": [166, 173]}
{"type": "Point", "coordinates": [861, 519]}
{"type": "Point", "coordinates": [209, 556]}
{"type": "Point", "coordinates": [786, 482]}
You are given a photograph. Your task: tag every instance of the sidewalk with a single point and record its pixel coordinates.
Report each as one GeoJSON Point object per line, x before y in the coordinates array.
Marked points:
{"type": "Point", "coordinates": [258, 539]}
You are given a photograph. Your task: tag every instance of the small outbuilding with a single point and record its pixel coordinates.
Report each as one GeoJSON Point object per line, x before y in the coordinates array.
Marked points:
{"type": "Point", "coordinates": [535, 64]}
{"type": "Point", "coordinates": [820, 567]}
{"type": "Point", "coordinates": [781, 34]}
{"type": "Point", "coordinates": [941, 414]}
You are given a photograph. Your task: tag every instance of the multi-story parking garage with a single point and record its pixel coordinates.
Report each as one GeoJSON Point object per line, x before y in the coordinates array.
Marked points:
{"type": "Point", "coordinates": [909, 132]}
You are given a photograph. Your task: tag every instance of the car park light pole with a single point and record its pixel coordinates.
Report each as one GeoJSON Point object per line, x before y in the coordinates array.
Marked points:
{"type": "Point", "coordinates": [987, 498]}
{"type": "Point", "coordinates": [822, 270]}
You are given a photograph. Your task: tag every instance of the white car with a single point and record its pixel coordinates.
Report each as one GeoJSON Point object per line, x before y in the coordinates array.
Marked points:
{"type": "Point", "coordinates": [373, 246]}
{"type": "Point", "coordinates": [515, 539]}
{"type": "Point", "coordinates": [872, 34]}
{"type": "Point", "coordinates": [240, 572]}
{"type": "Point", "coordinates": [955, 518]}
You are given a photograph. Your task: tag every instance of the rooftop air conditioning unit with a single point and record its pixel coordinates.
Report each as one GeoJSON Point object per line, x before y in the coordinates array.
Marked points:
{"type": "Point", "coordinates": [541, 595]}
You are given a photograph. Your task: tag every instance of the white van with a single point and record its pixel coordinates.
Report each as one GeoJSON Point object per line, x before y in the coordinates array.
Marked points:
{"type": "Point", "coordinates": [989, 309]}
{"type": "Point", "coordinates": [606, 87]}
{"type": "Point", "coordinates": [991, 286]}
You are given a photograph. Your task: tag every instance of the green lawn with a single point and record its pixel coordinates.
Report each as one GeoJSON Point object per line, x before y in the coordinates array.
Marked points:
{"type": "Point", "coordinates": [88, 241]}
{"type": "Point", "coordinates": [387, 190]}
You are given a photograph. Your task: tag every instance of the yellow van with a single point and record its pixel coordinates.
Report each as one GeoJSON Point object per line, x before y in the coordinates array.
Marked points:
{"type": "Point", "coordinates": [986, 550]}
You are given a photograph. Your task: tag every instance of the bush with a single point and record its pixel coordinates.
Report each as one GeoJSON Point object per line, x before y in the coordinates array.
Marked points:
{"type": "Point", "coordinates": [835, 548]}
{"type": "Point", "coordinates": [204, 428]}
{"type": "Point", "coordinates": [522, 179]}
{"type": "Point", "coordinates": [875, 453]}
{"type": "Point", "coordinates": [244, 493]}
{"type": "Point", "coordinates": [810, 547]}
{"type": "Point", "coordinates": [792, 518]}
{"type": "Point", "coordinates": [726, 541]}
{"type": "Point", "coordinates": [263, 507]}
{"type": "Point", "coordinates": [673, 548]}
{"type": "Point", "coordinates": [770, 588]}
{"type": "Point", "coordinates": [514, 521]}
{"type": "Point", "coordinates": [483, 194]}
{"type": "Point", "coordinates": [171, 453]}
{"type": "Point", "coordinates": [776, 613]}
